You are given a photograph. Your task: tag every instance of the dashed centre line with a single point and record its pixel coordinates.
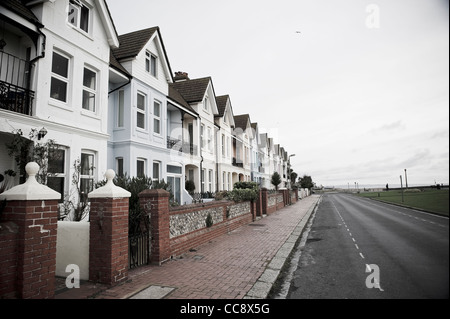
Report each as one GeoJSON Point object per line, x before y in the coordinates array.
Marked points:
{"type": "Point", "coordinates": [377, 284]}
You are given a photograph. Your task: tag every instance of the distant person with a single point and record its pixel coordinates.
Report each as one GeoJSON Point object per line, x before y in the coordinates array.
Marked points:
{"type": "Point", "coordinates": [387, 187]}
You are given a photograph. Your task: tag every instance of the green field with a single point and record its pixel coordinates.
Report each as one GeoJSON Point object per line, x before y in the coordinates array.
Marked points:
{"type": "Point", "coordinates": [431, 200]}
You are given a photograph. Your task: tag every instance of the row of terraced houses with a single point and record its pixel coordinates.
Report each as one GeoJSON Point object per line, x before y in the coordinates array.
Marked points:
{"type": "Point", "coordinates": [112, 101]}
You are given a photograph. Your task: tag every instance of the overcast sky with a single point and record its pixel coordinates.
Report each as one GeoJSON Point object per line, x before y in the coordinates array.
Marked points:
{"type": "Point", "coordinates": [358, 90]}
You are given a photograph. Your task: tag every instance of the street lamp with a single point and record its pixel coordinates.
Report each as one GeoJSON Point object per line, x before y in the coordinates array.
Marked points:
{"type": "Point", "coordinates": [406, 180]}
{"type": "Point", "coordinates": [289, 169]}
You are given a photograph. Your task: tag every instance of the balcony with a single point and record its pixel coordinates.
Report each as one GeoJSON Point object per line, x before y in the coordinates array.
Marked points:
{"type": "Point", "coordinates": [237, 162]}
{"type": "Point", "coordinates": [14, 76]}
{"type": "Point", "coordinates": [185, 148]}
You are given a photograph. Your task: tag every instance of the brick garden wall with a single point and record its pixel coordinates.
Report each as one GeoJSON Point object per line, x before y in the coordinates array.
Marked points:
{"type": "Point", "coordinates": [188, 224]}
{"type": "Point", "coordinates": [175, 230]}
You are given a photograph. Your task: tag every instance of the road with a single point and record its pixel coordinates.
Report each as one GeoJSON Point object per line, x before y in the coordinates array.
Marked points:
{"type": "Point", "coordinates": [359, 248]}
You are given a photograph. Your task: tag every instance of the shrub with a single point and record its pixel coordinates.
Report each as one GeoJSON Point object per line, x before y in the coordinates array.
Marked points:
{"type": "Point", "coordinates": [242, 195]}
{"type": "Point", "coordinates": [209, 220]}
{"type": "Point", "coordinates": [189, 186]}
{"type": "Point", "coordinates": [244, 191]}
{"type": "Point", "coordinates": [134, 185]}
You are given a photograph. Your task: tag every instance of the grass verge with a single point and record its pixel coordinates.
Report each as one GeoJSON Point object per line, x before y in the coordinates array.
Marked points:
{"type": "Point", "coordinates": [430, 200]}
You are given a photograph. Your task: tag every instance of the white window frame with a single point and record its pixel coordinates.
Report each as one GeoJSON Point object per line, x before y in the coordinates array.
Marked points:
{"type": "Point", "coordinates": [202, 136]}
{"type": "Point", "coordinates": [77, 7]}
{"type": "Point", "coordinates": [202, 177]}
{"type": "Point", "coordinates": [206, 104]}
{"type": "Point", "coordinates": [210, 141]}
{"type": "Point", "coordinates": [210, 179]}
{"type": "Point", "coordinates": [119, 166]}
{"type": "Point", "coordinates": [120, 109]}
{"type": "Point", "coordinates": [90, 176]}
{"type": "Point", "coordinates": [151, 64]}
{"type": "Point", "coordinates": [140, 111]}
{"type": "Point", "coordinates": [91, 91]}
{"type": "Point", "coordinates": [144, 161]}
{"type": "Point", "coordinates": [156, 180]}
{"type": "Point", "coordinates": [61, 78]}
{"type": "Point", "coordinates": [224, 177]}
{"type": "Point", "coordinates": [60, 175]}
{"type": "Point", "coordinates": [223, 145]}
{"type": "Point", "coordinates": [157, 119]}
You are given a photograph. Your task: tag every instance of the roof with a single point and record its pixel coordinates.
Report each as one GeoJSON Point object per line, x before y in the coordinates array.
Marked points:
{"type": "Point", "coordinates": [222, 104]}
{"type": "Point", "coordinates": [192, 90]}
{"type": "Point", "coordinates": [132, 43]}
{"type": "Point", "coordinates": [175, 96]}
{"type": "Point", "coordinates": [241, 121]}
{"type": "Point", "coordinates": [20, 9]}
{"type": "Point", "coordinates": [116, 64]}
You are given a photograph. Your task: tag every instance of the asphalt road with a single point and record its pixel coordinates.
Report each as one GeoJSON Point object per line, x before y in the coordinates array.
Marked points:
{"type": "Point", "coordinates": [359, 248]}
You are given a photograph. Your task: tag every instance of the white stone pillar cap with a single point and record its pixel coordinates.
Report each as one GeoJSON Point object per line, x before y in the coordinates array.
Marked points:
{"type": "Point", "coordinates": [31, 189]}
{"type": "Point", "coordinates": [109, 190]}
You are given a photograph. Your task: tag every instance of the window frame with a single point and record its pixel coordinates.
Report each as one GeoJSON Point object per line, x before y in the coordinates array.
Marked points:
{"type": "Point", "coordinates": [206, 104]}
{"type": "Point", "coordinates": [151, 64]}
{"type": "Point", "coordinates": [79, 7]}
{"type": "Point", "coordinates": [157, 118]}
{"type": "Point", "coordinates": [88, 177]}
{"type": "Point", "coordinates": [210, 180]}
{"type": "Point", "coordinates": [140, 111]}
{"type": "Point", "coordinates": [144, 166]}
{"type": "Point", "coordinates": [59, 77]}
{"type": "Point", "coordinates": [58, 175]}
{"type": "Point", "coordinates": [202, 136]}
{"type": "Point", "coordinates": [89, 90]}
{"type": "Point", "coordinates": [120, 109]}
{"type": "Point", "coordinates": [119, 166]}
{"type": "Point", "coordinates": [156, 180]}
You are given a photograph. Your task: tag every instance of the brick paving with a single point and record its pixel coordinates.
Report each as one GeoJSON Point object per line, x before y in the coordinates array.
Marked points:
{"type": "Point", "coordinates": [225, 268]}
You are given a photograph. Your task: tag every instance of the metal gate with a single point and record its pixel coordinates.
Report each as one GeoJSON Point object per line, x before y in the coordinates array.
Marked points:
{"type": "Point", "coordinates": [139, 245]}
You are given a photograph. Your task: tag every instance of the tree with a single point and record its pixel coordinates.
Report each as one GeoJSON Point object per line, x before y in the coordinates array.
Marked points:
{"type": "Point", "coordinates": [276, 180]}
{"type": "Point", "coordinates": [306, 182]}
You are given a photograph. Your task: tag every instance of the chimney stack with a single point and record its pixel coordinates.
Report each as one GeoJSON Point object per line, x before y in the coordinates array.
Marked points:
{"type": "Point", "coordinates": [181, 76]}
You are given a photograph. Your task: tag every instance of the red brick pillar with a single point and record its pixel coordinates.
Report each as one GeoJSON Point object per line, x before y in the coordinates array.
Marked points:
{"type": "Point", "coordinates": [155, 202]}
{"type": "Point", "coordinates": [108, 242]}
{"type": "Point", "coordinates": [259, 205]}
{"type": "Point", "coordinates": [253, 209]}
{"type": "Point", "coordinates": [264, 201]}
{"type": "Point", "coordinates": [33, 208]}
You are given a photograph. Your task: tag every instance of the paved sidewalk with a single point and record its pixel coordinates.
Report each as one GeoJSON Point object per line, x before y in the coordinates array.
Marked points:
{"type": "Point", "coordinates": [242, 264]}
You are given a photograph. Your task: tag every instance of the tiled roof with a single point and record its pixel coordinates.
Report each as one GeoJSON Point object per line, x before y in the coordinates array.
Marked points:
{"type": "Point", "coordinates": [19, 8]}
{"type": "Point", "coordinates": [132, 43]}
{"type": "Point", "coordinates": [175, 96]}
{"type": "Point", "coordinates": [241, 121]}
{"type": "Point", "coordinates": [116, 64]}
{"type": "Point", "coordinates": [222, 104]}
{"type": "Point", "coordinates": [192, 90]}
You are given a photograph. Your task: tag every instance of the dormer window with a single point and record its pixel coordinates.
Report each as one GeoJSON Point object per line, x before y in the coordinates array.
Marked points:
{"type": "Point", "coordinates": [150, 64]}
{"type": "Point", "coordinates": [79, 15]}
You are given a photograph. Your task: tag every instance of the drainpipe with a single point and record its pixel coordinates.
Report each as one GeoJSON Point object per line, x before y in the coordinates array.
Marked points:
{"type": "Point", "coordinates": [118, 88]}
{"type": "Point", "coordinates": [30, 65]}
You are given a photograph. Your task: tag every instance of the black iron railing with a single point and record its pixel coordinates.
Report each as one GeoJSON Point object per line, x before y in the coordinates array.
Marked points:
{"type": "Point", "coordinates": [16, 99]}
{"type": "Point", "coordinates": [14, 83]}
{"type": "Point", "coordinates": [176, 144]}
{"type": "Point", "coordinates": [237, 162]}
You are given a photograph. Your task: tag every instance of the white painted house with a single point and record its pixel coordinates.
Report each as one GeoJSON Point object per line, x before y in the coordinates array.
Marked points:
{"type": "Point", "coordinates": [149, 120]}
{"type": "Point", "coordinates": [200, 95]}
{"type": "Point", "coordinates": [66, 45]}
{"type": "Point", "coordinates": [224, 138]}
